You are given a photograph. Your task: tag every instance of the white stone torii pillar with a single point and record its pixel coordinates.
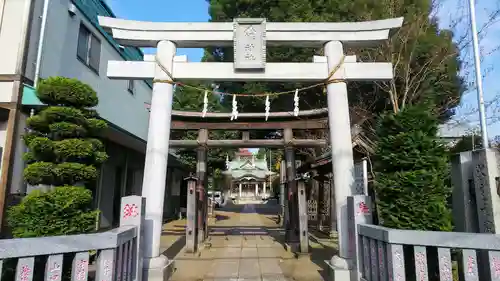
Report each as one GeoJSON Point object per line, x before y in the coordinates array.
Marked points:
{"type": "Point", "coordinates": [250, 37]}
{"type": "Point", "coordinates": [155, 169]}
{"type": "Point", "coordinates": [342, 155]}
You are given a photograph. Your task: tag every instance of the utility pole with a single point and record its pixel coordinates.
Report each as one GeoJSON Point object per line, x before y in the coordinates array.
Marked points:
{"type": "Point", "coordinates": [479, 79]}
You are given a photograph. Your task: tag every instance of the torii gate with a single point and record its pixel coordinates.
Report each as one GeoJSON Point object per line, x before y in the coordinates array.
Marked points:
{"type": "Point", "coordinates": [249, 38]}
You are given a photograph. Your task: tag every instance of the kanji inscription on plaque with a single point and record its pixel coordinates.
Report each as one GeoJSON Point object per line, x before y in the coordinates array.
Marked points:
{"type": "Point", "coordinates": [249, 44]}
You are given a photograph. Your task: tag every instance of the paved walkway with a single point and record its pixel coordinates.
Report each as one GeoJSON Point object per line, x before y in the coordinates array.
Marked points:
{"type": "Point", "coordinates": [245, 244]}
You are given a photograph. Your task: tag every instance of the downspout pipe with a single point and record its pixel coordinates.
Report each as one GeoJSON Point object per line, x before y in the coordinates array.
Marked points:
{"type": "Point", "coordinates": [38, 64]}
{"type": "Point", "coordinates": [27, 187]}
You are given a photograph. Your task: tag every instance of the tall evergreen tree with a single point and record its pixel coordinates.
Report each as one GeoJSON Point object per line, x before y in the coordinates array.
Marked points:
{"type": "Point", "coordinates": [425, 59]}
{"type": "Point", "coordinates": [411, 172]}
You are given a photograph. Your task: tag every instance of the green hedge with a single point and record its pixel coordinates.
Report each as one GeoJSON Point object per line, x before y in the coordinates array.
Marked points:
{"type": "Point", "coordinates": [64, 210]}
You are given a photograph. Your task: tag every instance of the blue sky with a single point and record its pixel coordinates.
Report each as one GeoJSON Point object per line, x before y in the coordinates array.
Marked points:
{"type": "Point", "coordinates": [164, 10]}
{"type": "Point", "coordinates": [457, 11]}
{"type": "Point", "coordinates": [197, 11]}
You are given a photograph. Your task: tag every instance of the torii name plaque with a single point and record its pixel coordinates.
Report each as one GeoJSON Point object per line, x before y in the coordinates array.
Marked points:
{"type": "Point", "coordinates": [249, 44]}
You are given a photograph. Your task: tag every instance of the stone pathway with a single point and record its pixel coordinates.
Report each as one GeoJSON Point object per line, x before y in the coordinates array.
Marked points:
{"type": "Point", "coordinates": [245, 244]}
{"type": "Point", "coordinates": [247, 253]}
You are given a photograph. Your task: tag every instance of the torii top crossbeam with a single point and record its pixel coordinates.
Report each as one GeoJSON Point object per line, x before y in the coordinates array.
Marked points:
{"type": "Point", "coordinates": [203, 34]}
{"type": "Point", "coordinates": [250, 37]}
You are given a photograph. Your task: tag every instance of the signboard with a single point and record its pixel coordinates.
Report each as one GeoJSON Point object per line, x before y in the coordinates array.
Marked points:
{"type": "Point", "coordinates": [249, 44]}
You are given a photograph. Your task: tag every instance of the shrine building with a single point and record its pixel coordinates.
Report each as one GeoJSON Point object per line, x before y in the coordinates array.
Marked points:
{"type": "Point", "coordinates": [248, 176]}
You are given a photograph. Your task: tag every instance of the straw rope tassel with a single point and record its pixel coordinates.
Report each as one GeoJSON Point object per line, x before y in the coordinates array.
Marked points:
{"type": "Point", "coordinates": [205, 105]}
{"type": "Point", "coordinates": [234, 114]}
{"type": "Point", "coordinates": [268, 107]}
{"type": "Point", "coordinates": [296, 103]}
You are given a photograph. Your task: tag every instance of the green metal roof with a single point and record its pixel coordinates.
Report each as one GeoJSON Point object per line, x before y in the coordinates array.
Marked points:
{"type": "Point", "coordinates": [259, 164]}
{"type": "Point", "coordinates": [29, 96]}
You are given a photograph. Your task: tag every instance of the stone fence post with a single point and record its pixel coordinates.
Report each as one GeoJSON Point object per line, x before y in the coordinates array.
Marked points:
{"type": "Point", "coordinates": [359, 211]}
{"type": "Point", "coordinates": [132, 212]}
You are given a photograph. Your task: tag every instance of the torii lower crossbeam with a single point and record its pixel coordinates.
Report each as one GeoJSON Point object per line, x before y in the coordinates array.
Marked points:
{"type": "Point", "coordinates": [285, 72]}
{"type": "Point", "coordinates": [248, 143]}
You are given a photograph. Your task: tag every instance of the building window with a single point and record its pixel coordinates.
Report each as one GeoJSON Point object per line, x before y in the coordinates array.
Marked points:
{"type": "Point", "coordinates": [131, 86]}
{"type": "Point", "coordinates": [89, 48]}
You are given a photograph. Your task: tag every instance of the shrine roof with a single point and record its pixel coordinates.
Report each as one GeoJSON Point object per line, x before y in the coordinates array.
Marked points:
{"type": "Point", "coordinates": [257, 174]}
{"type": "Point", "coordinates": [244, 151]}
{"type": "Point", "coordinates": [258, 164]}
{"type": "Point", "coordinates": [247, 168]}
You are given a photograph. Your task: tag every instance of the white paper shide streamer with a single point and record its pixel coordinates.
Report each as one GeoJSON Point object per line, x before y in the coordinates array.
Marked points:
{"type": "Point", "coordinates": [268, 106]}
{"type": "Point", "coordinates": [234, 114]}
{"type": "Point", "coordinates": [205, 105]}
{"type": "Point", "coordinates": [296, 103]}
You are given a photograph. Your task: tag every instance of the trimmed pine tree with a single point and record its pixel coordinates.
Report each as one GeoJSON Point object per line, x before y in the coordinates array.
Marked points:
{"type": "Point", "coordinates": [64, 153]}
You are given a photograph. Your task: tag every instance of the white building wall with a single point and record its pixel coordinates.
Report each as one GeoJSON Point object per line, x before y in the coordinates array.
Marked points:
{"type": "Point", "coordinates": [14, 18]}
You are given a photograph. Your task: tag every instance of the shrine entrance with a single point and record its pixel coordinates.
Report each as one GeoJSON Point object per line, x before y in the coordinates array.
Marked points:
{"type": "Point", "coordinates": [249, 38]}
{"type": "Point", "coordinates": [247, 215]}
{"type": "Point", "coordinates": [241, 185]}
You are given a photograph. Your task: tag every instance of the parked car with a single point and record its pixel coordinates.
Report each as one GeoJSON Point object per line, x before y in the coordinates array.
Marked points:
{"type": "Point", "coordinates": [216, 197]}
{"type": "Point", "coordinates": [218, 200]}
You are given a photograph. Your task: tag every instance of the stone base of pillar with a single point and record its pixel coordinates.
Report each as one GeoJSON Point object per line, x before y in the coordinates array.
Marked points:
{"type": "Point", "coordinates": [340, 269]}
{"type": "Point", "coordinates": [157, 269]}
{"type": "Point", "coordinates": [292, 247]}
